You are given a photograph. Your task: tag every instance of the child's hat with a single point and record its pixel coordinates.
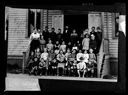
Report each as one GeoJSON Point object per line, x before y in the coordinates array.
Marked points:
{"type": "Point", "coordinates": [81, 58]}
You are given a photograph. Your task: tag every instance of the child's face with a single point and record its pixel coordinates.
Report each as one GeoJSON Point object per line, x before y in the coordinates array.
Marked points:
{"type": "Point", "coordinates": [85, 51]}
{"type": "Point", "coordinates": [32, 53]}
{"type": "Point", "coordinates": [42, 60]}
{"type": "Point", "coordinates": [69, 43]}
{"type": "Point", "coordinates": [61, 52]}
{"type": "Point", "coordinates": [35, 59]}
{"type": "Point", "coordinates": [87, 36]}
{"type": "Point", "coordinates": [63, 43]}
{"type": "Point", "coordinates": [93, 28]}
{"type": "Point", "coordinates": [42, 37]}
{"type": "Point", "coordinates": [50, 41]}
{"type": "Point", "coordinates": [45, 50]}
{"type": "Point", "coordinates": [89, 62]}
{"type": "Point", "coordinates": [74, 31]}
{"type": "Point", "coordinates": [80, 51]}
{"type": "Point", "coordinates": [38, 49]}
{"type": "Point", "coordinates": [68, 50]}
{"type": "Point", "coordinates": [57, 42]}
{"type": "Point", "coordinates": [91, 50]}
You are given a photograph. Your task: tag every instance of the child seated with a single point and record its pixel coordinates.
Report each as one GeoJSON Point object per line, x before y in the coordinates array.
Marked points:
{"type": "Point", "coordinates": [85, 56]}
{"type": "Point", "coordinates": [30, 61]}
{"type": "Point", "coordinates": [63, 47]}
{"type": "Point", "coordinates": [72, 62]}
{"type": "Point", "coordinates": [44, 55]}
{"type": "Point", "coordinates": [34, 66]}
{"type": "Point", "coordinates": [42, 68]}
{"type": "Point", "coordinates": [92, 57]}
{"type": "Point", "coordinates": [81, 67]}
{"type": "Point", "coordinates": [79, 55]}
{"type": "Point", "coordinates": [90, 68]}
{"type": "Point", "coordinates": [51, 61]}
{"type": "Point", "coordinates": [37, 53]}
{"type": "Point", "coordinates": [61, 61]}
{"type": "Point", "coordinates": [67, 67]}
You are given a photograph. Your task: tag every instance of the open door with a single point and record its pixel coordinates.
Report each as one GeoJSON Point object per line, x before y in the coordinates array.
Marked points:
{"type": "Point", "coordinates": [58, 22]}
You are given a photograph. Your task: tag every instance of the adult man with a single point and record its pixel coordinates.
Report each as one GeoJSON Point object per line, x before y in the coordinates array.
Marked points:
{"type": "Point", "coordinates": [93, 31]}
{"type": "Point", "coordinates": [52, 35]}
{"type": "Point", "coordinates": [45, 33]}
{"type": "Point", "coordinates": [66, 34]}
{"type": "Point", "coordinates": [98, 38]}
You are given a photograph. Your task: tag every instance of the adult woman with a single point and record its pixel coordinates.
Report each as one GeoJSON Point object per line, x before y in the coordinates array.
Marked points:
{"type": "Point", "coordinates": [35, 43]}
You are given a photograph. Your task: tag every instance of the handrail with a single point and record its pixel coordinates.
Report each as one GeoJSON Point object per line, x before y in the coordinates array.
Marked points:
{"type": "Point", "coordinates": [100, 59]}
{"type": "Point", "coordinates": [25, 57]}
{"type": "Point", "coordinates": [102, 64]}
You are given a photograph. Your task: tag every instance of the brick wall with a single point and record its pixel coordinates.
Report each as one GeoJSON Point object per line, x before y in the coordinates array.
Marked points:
{"type": "Point", "coordinates": [17, 43]}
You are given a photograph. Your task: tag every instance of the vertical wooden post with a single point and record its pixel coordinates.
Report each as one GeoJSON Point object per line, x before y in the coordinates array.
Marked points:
{"type": "Point", "coordinates": [35, 19]}
{"type": "Point", "coordinates": [47, 17]}
{"type": "Point", "coordinates": [23, 64]}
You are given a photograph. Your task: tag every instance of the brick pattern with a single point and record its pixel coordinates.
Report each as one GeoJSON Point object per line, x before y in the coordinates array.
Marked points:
{"type": "Point", "coordinates": [17, 43]}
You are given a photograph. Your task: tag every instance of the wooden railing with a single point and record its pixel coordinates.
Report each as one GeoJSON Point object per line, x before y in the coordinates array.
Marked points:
{"type": "Point", "coordinates": [100, 59]}
{"type": "Point", "coordinates": [25, 57]}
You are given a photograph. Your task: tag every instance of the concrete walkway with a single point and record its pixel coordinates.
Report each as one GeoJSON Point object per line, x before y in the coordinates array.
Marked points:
{"type": "Point", "coordinates": [24, 82]}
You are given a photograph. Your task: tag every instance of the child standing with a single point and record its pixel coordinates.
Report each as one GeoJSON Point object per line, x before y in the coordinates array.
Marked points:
{"type": "Point", "coordinates": [42, 43]}
{"type": "Point", "coordinates": [85, 42]}
{"type": "Point", "coordinates": [49, 46]}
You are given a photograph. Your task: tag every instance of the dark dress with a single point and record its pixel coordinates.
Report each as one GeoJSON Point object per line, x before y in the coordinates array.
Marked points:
{"type": "Point", "coordinates": [93, 45]}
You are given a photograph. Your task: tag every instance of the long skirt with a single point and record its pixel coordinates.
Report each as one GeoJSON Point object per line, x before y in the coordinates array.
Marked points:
{"type": "Point", "coordinates": [34, 45]}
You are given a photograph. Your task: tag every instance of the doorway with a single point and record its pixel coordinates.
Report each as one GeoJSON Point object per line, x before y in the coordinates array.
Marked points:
{"type": "Point", "coordinates": [78, 22]}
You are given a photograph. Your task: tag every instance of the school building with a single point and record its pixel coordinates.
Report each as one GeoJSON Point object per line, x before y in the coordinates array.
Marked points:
{"type": "Point", "coordinates": [22, 20]}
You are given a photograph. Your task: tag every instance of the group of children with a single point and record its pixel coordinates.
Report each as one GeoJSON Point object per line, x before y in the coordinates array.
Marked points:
{"type": "Point", "coordinates": [63, 57]}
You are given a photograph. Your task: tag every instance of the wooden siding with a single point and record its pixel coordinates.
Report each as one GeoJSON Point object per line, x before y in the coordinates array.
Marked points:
{"type": "Point", "coordinates": [108, 28]}
{"type": "Point", "coordinates": [17, 43]}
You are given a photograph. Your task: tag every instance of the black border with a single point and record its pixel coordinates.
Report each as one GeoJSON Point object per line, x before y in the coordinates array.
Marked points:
{"type": "Point", "coordinates": [117, 88]}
